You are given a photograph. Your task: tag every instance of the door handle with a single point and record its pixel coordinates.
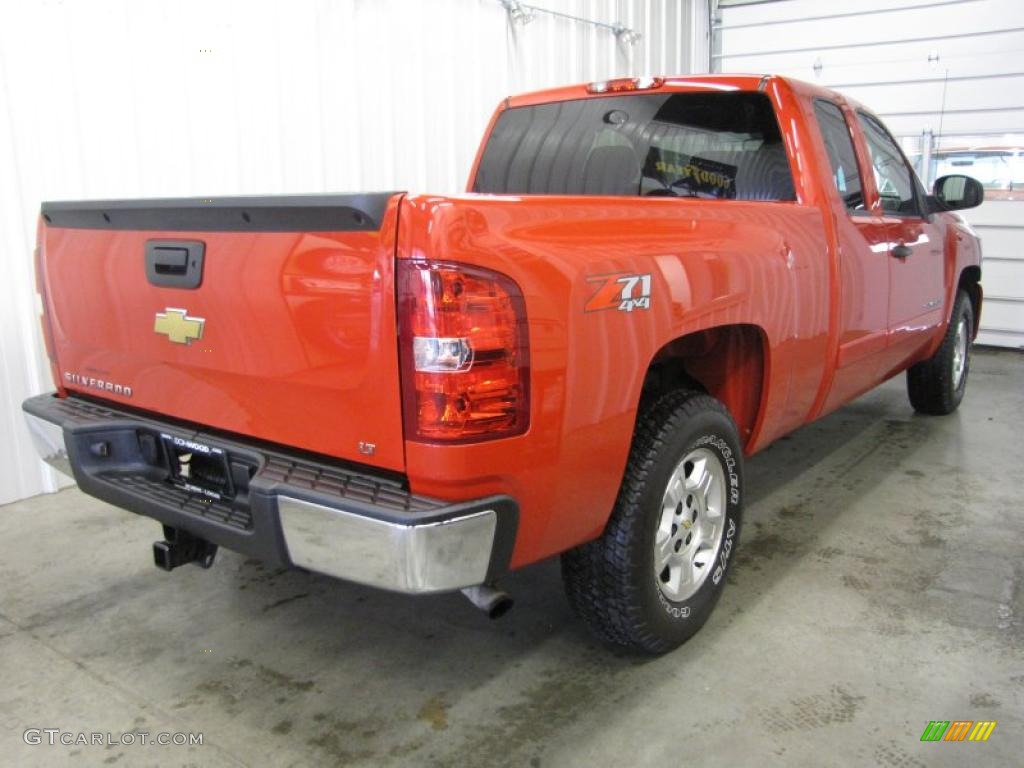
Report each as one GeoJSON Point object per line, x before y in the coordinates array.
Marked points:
{"type": "Point", "coordinates": [902, 250]}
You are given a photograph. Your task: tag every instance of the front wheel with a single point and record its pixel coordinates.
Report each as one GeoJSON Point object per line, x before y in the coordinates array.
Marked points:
{"type": "Point", "coordinates": [937, 385]}
{"type": "Point", "coordinates": [653, 577]}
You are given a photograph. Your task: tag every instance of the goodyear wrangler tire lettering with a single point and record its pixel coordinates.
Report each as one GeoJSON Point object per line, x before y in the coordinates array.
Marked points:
{"type": "Point", "coordinates": [724, 552]}
{"type": "Point", "coordinates": [734, 480]}
{"type": "Point", "coordinates": [652, 579]}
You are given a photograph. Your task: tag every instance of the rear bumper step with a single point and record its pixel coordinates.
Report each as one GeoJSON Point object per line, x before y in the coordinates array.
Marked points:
{"type": "Point", "coordinates": [281, 507]}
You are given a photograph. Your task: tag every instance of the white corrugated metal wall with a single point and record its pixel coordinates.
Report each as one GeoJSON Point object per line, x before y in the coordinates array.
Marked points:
{"type": "Point", "coordinates": [158, 98]}
{"type": "Point", "coordinates": [951, 69]}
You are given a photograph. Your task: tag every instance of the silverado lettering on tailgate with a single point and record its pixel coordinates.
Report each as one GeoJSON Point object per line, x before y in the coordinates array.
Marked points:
{"type": "Point", "coordinates": [94, 383]}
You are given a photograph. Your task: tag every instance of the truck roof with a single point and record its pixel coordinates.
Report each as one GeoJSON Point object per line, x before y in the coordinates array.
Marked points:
{"type": "Point", "coordinates": [718, 82]}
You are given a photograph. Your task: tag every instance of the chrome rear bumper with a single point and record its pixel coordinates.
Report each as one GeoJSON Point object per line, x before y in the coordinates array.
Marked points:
{"type": "Point", "coordinates": [430, 557]}
{"type": "Point", "coordinates": [48, 439]}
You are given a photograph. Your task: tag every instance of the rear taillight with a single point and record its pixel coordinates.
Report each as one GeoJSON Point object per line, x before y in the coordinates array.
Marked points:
{"type": "Point", "coordinates": [44, 319]}
{"type": "Point", "coordinates": [464, 352]}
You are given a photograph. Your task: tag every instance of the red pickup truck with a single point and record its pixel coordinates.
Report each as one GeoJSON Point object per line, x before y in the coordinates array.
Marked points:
{"type": "Point", "coordinates": [648, 280]}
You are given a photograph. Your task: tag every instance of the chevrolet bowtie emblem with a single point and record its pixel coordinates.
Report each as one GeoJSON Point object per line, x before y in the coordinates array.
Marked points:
{"type": "Point", "coordinates": [177, 326]}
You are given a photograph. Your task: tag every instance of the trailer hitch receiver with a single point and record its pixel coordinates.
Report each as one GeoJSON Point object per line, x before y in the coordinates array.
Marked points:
{"type": "Point", "coordinates": [181, 547]}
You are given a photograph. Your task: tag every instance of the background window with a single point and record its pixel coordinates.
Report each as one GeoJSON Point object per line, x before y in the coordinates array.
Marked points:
{"type": "Point", "coordinates": [997, 161]}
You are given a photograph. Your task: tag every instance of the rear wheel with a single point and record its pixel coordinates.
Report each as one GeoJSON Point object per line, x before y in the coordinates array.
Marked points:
{"type": "Point", "coordinates": [651, 580]}
{"type": "Point", "coordinates": [936, 385]}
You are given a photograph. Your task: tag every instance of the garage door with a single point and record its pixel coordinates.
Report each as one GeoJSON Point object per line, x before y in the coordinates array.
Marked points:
{"type": "Point", "coordinates": [947, 77]}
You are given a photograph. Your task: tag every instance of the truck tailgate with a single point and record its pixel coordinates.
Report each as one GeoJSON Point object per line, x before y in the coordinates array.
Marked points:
{"type": "Point", "coordinates": [289, 335]}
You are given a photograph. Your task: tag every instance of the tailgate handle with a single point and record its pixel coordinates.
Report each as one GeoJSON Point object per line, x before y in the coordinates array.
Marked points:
{"type": "Point", "coordinates": [171, 261]}
{"type": "Point", "coordinates": [175, 263]}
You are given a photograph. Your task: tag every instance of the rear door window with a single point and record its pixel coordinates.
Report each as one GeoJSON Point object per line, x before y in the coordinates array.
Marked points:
{"type": "Point", "coordinates": [724, 146]}
{"type": "Point", "coordinates": [835, 132]}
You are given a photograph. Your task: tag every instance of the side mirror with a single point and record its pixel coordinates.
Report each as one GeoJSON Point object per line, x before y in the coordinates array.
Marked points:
{"type": "Point", "coordinates": [954, 193]}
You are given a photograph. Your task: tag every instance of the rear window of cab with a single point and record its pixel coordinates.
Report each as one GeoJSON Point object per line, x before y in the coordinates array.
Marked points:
{"type": "Point", "coordinates": [717, 145]}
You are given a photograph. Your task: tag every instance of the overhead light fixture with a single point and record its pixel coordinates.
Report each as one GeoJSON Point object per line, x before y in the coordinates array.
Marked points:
{"type": "Point", "coordinates": [625, 34]}
{"type": "Point", "coordinates": [523, 13]}
{"type": "Point", "coordinates": [519, 13]}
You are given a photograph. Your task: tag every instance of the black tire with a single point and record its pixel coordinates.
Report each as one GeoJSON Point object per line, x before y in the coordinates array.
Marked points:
{"type": "Point", "coordinates": [932, 384]}
{"type": "Point", "coordinates": [611, 582]}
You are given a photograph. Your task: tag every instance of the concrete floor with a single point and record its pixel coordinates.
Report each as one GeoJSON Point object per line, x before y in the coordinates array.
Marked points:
{"type": "Point", "coordinates": [878, 586]}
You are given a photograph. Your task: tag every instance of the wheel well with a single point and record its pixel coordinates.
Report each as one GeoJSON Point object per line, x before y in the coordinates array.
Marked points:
{"type": "Point", "coordinates": [728, 362]}
{"type": "Point", "coordinates": [970, 281]}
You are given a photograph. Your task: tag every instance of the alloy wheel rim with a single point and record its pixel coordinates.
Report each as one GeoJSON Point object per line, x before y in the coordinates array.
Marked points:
{"type": "Point", "coordinates": [960, 354]}
{"type": "Point", "coordinates": [690, 524]}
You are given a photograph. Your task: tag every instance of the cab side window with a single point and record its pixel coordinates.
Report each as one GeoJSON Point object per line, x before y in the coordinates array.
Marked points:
{"type": "Point", "coordinates": [841, 155]}
{"type": "Point", "coordinates": [893, 177]}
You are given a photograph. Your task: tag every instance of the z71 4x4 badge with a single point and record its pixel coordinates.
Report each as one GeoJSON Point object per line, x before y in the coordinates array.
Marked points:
{"type": "Point", "coordinates": [621, 291]}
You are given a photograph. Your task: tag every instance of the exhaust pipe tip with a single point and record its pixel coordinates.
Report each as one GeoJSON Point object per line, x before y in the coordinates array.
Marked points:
{"type": "Point", "coordinates": [491, 601]}
{"type": "Point", "coordinates": [501, 606]}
